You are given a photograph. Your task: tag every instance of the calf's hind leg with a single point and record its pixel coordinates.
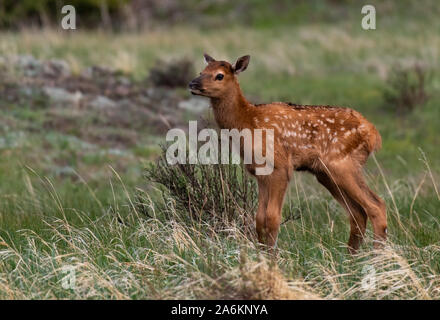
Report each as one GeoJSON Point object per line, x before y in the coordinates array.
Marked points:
{"type": "Point", "coordinates": [350, 180]}
{"type": "Point", "coordinates": [356, 214]}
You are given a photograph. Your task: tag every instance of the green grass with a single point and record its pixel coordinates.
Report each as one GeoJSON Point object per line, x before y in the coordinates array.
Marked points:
{"type": "Point", "coordinates": [61, 202]}
{"type": "Point", "coordinates": [117, 252]}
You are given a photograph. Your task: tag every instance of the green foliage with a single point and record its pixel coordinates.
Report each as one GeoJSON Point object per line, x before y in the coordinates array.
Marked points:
{"type": "Point", "coordinates": [134, 14]}
{"type": "Point", "coordinates": [406, 89]}
{"type": "Point", "coordinates": [217, 194]}
{"type": "Point", "coordinates": [45, 12]}
{"type": "Point", "coordinates": [177, 73]}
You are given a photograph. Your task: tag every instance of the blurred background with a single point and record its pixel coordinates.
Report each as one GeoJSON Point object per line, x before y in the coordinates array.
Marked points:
{"type": "Point", "coordinates": [74, 101]}
{"type": "Point", "coordinates": [84, 111]}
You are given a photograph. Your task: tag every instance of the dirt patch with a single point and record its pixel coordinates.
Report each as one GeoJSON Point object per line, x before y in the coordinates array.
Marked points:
{"type": "Point", "coordinates": [99, 105]}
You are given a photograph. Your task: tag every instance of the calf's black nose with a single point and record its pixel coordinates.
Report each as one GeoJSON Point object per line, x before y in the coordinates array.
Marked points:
{"type": "Point", "coordinates": [195, 84]}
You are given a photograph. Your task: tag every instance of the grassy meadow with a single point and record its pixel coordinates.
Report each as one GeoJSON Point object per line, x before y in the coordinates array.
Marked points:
{"type": "Point", "coordinates": [65, 204]}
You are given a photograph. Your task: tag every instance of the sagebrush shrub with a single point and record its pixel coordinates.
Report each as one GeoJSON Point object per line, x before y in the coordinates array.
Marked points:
{"type": "Point", "coordinates": [217, 194]}
{"type": "Point", "coordinates": [406, 89]}
{"type": "Point", "coordinates": [173, 74]}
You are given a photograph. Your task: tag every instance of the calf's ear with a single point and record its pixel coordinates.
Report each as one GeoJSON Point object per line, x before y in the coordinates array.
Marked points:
{"type": "Point", "coordinates": [208, 58]}
{"type": "Point", "coordinates": [241, 64]}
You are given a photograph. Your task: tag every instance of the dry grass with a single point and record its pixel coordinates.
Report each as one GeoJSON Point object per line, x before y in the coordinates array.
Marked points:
{"type": "Point", "coordinates": [260, 280]}
{"type": "Point", "coordinates": [124, 254]}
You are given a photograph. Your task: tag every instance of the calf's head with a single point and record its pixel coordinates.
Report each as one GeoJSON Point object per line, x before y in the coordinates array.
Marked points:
{"type": "Point", "coordinates": [218, 77]}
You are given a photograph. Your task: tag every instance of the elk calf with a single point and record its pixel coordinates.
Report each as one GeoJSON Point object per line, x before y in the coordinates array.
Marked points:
{"type": "Point", "coordinates": [333, 143]}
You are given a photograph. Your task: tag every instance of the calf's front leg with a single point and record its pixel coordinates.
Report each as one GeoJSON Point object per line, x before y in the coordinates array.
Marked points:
{"type": "Point", "coordinates": [263, 198]}
{"type": "Point", "coordinates": [272, 189]}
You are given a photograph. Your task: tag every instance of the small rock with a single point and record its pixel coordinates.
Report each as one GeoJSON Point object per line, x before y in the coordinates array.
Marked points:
{"type": "Point", "coordinates": [116, 152]}
{"type": "Point", "coordinates": [65, 171]}
{"type": "Point", "coordinates": [102, 102]}
{"type": "Point", "coordinates": [56, 68]}
{"type": "Point", "coordinates": [60, 96]}
{"type": "Point", "coordinates": [124, 81]}
{"type": "Point", "coordinates": [11, 140]}
{"type": "Point", "coordinates": [30, 66]}
{"type": "Point", "coordinates": [97, 72]}
{"type": "Point", "coordinates": [196, 105]}
{"type": "Point", "coordinates": [27, 91]}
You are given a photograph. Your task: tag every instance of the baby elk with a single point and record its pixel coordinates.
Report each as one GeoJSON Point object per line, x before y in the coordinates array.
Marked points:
{"type": "Point", "coordinates": [332, 143]}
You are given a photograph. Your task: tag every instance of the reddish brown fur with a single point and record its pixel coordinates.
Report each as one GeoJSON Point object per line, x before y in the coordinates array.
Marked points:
{"type": "Point", "coordinates": [333, 143]}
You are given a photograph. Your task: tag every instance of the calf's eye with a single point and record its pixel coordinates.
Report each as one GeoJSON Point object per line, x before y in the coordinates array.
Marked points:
{"type": "Point", "coordinates": [219, 76]}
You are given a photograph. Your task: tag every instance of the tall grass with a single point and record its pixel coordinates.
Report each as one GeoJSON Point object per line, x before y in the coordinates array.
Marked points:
{"type": "Point", "coordinates": [126, 254]}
